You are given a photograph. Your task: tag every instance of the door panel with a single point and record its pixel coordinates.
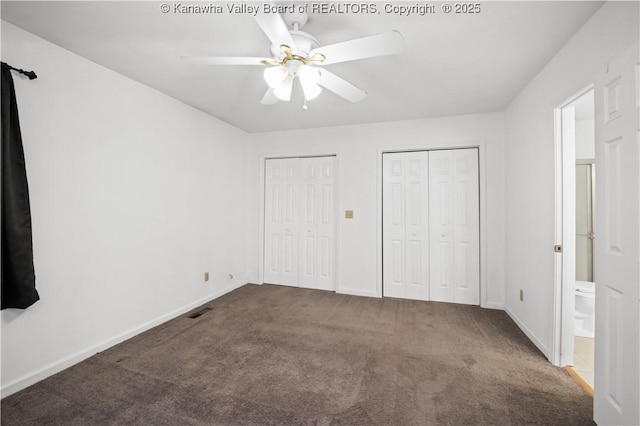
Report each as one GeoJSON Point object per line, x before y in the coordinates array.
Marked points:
{"type": "Point", "coordinates": [467, 227]}
{"type": "Point", "coordinates": [393, 216]}
{"type": "Point", "coordinates": [281, 227]}
{"type": "Point", "coordinates": [405, 225]}
{"type": "Point", "coordinates": [617, 269]}
{"type": "Point", "coordinates": [417, 226]}
{"type": "Point", "coordinates": [440, 229]}
{"type": "Point", "coordinates": [317, 228]}
{"type": "Point", "coordinates": [309, 223]}
{"type": "Point", "coordinates": [326, 224]}
{"type": "Point", "coordinates": [454, 226]}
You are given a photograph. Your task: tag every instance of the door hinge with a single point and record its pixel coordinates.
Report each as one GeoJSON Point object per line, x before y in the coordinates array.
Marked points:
{"type": "Point", "coordinates": [557, 248]}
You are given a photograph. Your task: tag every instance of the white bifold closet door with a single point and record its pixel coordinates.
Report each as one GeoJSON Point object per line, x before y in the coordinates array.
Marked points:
{"type": "Point", "coordinates": [299, 222]}
{"type": "Point", "coordinates": [405, 225]}
{"type": "Point", "coordinates": [281, 222]}
{"type": "Point", "coordinates": [454, 226]}
{"type": "Point", "coordinates": [431, 241]}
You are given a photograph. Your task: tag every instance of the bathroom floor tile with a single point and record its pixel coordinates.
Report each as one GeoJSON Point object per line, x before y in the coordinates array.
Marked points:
{"type": "Point", "coordinates": [580, 364]}
{"type": "Point", "coordinates": [584, 348]}
{"type": "Point", "coordinates": [583, 355]}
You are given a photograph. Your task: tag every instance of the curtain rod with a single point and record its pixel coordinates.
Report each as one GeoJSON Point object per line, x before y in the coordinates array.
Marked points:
{"type": "Point", "coordinates": [31, 74]}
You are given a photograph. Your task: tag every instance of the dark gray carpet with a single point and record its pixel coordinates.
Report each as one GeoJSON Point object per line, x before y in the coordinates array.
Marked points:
{"type": "Point", "coordinates": [280, 355]}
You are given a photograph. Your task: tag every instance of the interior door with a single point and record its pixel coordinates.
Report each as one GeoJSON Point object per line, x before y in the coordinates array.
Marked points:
{"type": "Point", "coordinates": [317, 222]}
{"type": "Point", "coordinates": [454, 226]}
{"type": "Point", "coordinates": [281, 222]}
{"type": "Point", "coordinates": [617, 269]}
{"type": "Point", "coordinates": [405, 243]}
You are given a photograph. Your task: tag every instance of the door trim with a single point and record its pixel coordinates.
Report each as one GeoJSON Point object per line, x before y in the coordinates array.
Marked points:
{"type": "Point", "coordinates": [481, 146]}
{"type": "Point", "coordinates": [336, 206]}
{"type": "Point", "coordinates": [561, 350]}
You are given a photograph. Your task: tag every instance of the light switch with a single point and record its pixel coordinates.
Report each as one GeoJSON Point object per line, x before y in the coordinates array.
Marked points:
{"type": "Point", "coordinates": [348, 214]}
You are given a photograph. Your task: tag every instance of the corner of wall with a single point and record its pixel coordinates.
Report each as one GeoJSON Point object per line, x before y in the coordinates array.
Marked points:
{"type": "Point", "coordinates": [527, 331]}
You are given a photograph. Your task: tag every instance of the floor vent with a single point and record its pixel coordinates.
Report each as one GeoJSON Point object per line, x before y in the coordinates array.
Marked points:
{"type": "Point", "coordinates": [198, 313]}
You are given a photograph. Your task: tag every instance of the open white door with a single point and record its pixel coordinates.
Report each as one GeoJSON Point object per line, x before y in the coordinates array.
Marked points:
{"type": "Point", "coordinates": [617, 269]}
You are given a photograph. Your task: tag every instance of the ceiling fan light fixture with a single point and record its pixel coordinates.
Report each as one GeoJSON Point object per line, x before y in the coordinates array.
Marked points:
{"type": "Point", "coordinates": [283, 91]}
{"type": "Point", "coordinates": [298, 55]}
{"type": "Point", "coordinates": [275, 76]}
{"type": "Point", "coordinates": [311, 91]}
{"type": "Point", "coordinates": [309, 77]}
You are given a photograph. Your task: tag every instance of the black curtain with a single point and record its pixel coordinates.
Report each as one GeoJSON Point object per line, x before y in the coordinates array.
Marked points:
{"type": "Point", "coordinates": [18, 276]}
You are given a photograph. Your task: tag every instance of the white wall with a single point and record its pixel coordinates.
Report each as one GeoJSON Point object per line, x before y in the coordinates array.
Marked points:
{"type": "Point", "coordinates": [585, 139]}
{"type": "Point", "coordinates": [134, 196]}
{"type": "Point", "coordinates": [358, 150]}
{"type": "Point", "coordinates": [530, 163]}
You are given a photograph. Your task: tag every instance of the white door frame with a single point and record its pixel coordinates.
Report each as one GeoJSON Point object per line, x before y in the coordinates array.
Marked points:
{"type": "Point", "coordinates": [565, 208]}
{"type": "Point", "coordinates": [481, 146]}
{"type": "Point", "coordinates": [336, 206]}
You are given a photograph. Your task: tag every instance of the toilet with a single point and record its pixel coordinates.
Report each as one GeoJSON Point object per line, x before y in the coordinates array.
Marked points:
{"type": "Point", "coordinates": [585, 318]}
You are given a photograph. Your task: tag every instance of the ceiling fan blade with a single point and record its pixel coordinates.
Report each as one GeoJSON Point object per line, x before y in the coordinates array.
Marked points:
{"type": "Point", "coordinates": [275, 28]}
{"type": "Point", "coordinates": [269, 98]}
{"type": "Point", "coordinates": [382, 44]}
{"type": "Point", "coordinates": [224, 60]}
{"type": "Point", "coordinates": [340, 86]}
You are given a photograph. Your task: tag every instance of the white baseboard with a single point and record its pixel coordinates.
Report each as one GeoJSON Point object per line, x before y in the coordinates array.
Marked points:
{"type": "Point", "coordinates": [353, 292]}
{"type": "Point", "coordinates": [66, 362]}
{"type": "Point", "coordinates": [494, 305]}
{"type": "Point", "coordinates": [534, 339]}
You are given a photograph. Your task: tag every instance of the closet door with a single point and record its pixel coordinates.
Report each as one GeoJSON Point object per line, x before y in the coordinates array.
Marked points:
{"type": "Point", "coordinates": [454, 226]}
{"type": "Point", "coordinates": [299, 226]}
{"type": "Point", "coordinates": [405, 227]}
{"type": "Point", "coordinates": [281, 222]}
{"type": "Point", "coordinates": [317, 222]}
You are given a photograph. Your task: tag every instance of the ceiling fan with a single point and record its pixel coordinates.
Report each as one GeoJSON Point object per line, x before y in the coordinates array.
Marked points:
{"type": "Point", "coordinates": [296, 55]}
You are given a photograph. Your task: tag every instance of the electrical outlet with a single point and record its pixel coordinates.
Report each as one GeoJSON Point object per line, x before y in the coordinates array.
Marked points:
{"type": "Point", "coordinates": [206, 276]}
{"type": "Point", "coordinates": [348, 214]}
{"type": "Point", "coordinates": [521, 295]}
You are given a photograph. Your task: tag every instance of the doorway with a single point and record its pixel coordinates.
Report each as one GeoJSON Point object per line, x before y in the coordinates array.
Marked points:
{"type": "Point", "coordinates": [576, 233]}
{"type": "Point", "coordinates": [431, 225]}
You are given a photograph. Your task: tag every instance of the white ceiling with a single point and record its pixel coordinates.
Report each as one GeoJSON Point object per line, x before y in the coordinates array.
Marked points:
{"type": "Point", "coordinates": [452, 64]}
